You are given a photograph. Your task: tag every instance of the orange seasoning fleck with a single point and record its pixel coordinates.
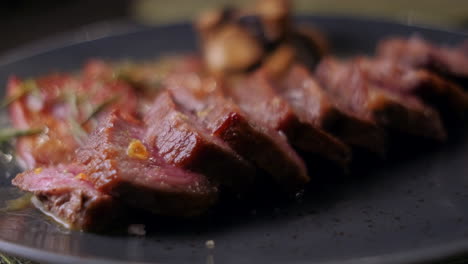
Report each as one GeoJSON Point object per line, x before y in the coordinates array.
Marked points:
{"type": "Point", "coordinates": [81, 176]}
{"type": "Point", "coordinates": [136, 149]}
{"type": "Point", "coordinates": [202, 113]}
{"type": "Point", "coordinates": [37, 170]}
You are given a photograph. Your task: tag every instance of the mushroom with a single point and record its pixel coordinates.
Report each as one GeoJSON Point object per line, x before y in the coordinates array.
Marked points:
{"type": "Point", "coordinates": [276, 17]}
{"type": "Point", "coordinates": [309, 45]}
{"type": "Point", "coordinates": [315, 38]}
{"type": "Point", "coordinates": [211, 20]}
{"type": "Point", "coordinates": [231, 49]}
{"type": "Point", "coordinates": [279, 61]}
{"type": "Point", "coordinates": [236, 41]}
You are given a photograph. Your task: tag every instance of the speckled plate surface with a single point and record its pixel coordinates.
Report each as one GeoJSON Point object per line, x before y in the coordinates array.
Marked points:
{"type": "Point", "coordinates": [410, 209]}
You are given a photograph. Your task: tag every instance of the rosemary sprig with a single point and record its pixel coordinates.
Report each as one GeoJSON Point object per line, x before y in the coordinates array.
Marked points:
{"type": "Point", "coordinates": [99, 108]}
{"type": "Point", "coordinates": [148, 76]}
{"type": "Point", "coordinates": [10, 133]}
{"type": "Point", "coordinates": [77, 130]}
{"type": "Point", "coordinates": [26, 87]}
{"type": "Point", "coordinates": [70, 98]}
{"type": "Point", "coordinates": [5, 259]}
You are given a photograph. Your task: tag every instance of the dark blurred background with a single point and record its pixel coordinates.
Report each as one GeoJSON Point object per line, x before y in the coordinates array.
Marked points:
{"type": "Point", "coordinates": [23, 21]}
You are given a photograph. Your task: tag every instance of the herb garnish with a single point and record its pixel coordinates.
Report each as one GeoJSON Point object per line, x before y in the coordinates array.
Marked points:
{"type": "Point", "coordinates": [26, 87]}
{"type": "Point", "coordinates": [101, 107]}
{"type": "Point", "coordinates": [10, 133]}
{"type": "Point", "coordinates": [77, 130]}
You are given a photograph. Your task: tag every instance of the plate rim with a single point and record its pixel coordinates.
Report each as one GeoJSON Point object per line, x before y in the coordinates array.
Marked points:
{"type": "Point", "coordinates": [436, 254]}
{"type": "Point", "coordinates": [115, 28]}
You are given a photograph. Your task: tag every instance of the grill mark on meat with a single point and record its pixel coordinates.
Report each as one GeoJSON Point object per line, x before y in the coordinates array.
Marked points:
{"type": "Point", "coordinates": [313, 104]}
{"type": "Point", "coordinates": [186, 144]}
{"type": "Point", "coordinates": [348, 84]}
{"type": "Point", "coordinates": [257, 97]}
{"type": "Point", "coordinates": [260, 145]}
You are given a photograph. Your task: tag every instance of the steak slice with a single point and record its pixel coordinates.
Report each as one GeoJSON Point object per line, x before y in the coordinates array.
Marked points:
{"type": "Point", "coordinates": [257, 97]}
{"type": "Point", "coordinates": [419, 53]}
{"type": "Point", "coordinates": [72, 201]}
{"type": "Point", "coordinates": [29, 112]}
{"type": "Point", "coordinates": [445, 95]}
{"type": "Point", "coordinates": [185, 143]}
{"type": "Point", "coordinates": [315, 105]}
{"type": "Point", "coordinates": [63, 104]}
{"type": "Point", "coordinates": [119, 162]}
{"type": "Point", "coordinates": [260, 145]}
{"type": "Point", "coordinates": [350, 85]}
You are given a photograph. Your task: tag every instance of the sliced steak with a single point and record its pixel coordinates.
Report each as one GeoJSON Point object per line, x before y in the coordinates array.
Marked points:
{"type": "Point", "coordinates": [315, 105]}
{"type": "Point", "coordinates": [257, 97]}
{"type": "Point", "coordinates": [260, 145]}
{"type": "Point", "coordinates": [351, 86]}
{"type": "Point", "coordinates": [30, 112]}
{"type": "Point", "coordinates": [419, 53]}
{"type": "Point", "coordinates": [73, 201]}
{"type": "Point", "coordinates": [185, 143]}
{"type": "Point", "coordinates": [63, 104]}
{"type": "Point", "coordinates": [119, 162]}
{"type": "Point", "coordinates": [445, 95]}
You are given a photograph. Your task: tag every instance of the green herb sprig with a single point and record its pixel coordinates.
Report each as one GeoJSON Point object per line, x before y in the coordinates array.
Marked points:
{"type": "Point", "coordinates": [8, 134]}
{"type": "Point", "coordinates": [99, 108]}
{"type": "Point", "coordinates": [26, 87]}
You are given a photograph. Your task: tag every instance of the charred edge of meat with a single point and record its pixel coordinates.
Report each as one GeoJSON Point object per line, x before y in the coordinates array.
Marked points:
{"type": "Point", "coordinates": [311, 101]}
{"type": "Point", "coordinates": [69, 200]}
{"type": "Point", "coordinates": [303, 134]}
{"type": "Point", "coordinates": [409, 116]}
{"type": "Point", "coordinates": [446, 96]}
{"type": "Point", "coordinates": [269, 153]}
{"type": "Point", "coordinates": [390, 110]}
{"type": "Point", "coordinates": [357, 132]}
{"type": "Point", "coordinates": [183, 142]}
{"type": "Point", "coordinates": [264, 148]}
{"type": "Point", "coordinates": [257, 97]}
{"type": "Point", "coordinates": [450, 62]}
{"type": "Point", "coordinates": [119, 162]}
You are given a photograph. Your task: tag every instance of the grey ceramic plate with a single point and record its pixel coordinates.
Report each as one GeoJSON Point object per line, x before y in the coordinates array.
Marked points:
{"type": "Point", "coordinates": [412, 209]}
